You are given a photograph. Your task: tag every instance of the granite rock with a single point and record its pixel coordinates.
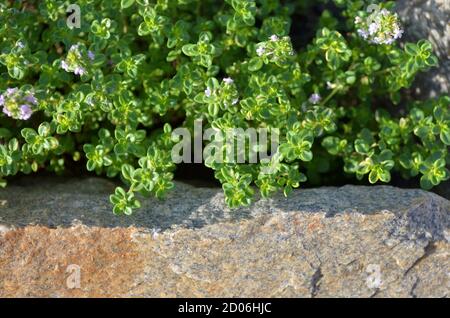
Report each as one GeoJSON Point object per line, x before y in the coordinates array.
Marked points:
{"type": "Point", "coordinates": [429, 19]}
{"type": "Point", "coordinates": [58, 238]}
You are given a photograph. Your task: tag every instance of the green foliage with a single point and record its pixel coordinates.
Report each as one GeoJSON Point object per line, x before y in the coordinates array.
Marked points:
{"type": "Point", "coordinates": [110, 93]}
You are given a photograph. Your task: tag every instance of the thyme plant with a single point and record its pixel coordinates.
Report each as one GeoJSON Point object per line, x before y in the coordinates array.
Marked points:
{"type": "Point", "coordinates": [110, 92]}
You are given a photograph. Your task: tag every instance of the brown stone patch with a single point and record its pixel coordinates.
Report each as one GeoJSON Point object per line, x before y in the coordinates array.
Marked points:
{"type": "Point", "coordinates": [315, 225]}
{"type": "Point", "coordinates": [34, 260]}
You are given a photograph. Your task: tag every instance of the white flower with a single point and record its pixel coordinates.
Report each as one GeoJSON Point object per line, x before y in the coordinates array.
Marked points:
{"type": "Point", "coordinates": [235, 101]}
{"type": "Point", "coordinates": [381, 27]}
{"type": "Point", "coordinates": [64, 66]}
{"type": "Point", "coordinates": [274, 37]}
{"type": "Point", "coordinates": [261, 50]}
{"type": "Point", "coordinates": [398, 33]}
{"type": "Point", "coordinates": [79, 71]}
{"type": "Point", "coordinates": [228, 80]}
{"type": "Point", "coordinates": [377, 40]}
{"type": "Point", "coordinates": [385, 12]}
{"type": "Point", "coordinates": [208, 92]}
{"type": "Point", "coordinates": [373, 28]}
{"type": "Point", "coordinates": [363, 33]}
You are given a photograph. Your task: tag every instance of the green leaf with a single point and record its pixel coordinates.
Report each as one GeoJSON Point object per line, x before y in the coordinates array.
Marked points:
{"type": "Point", "coordinates": [361, 146]}
{"type": "Point", "coordinates": [411, 49]}
{"type": "Point", "coordinates": [126, 3]}
{"type": "Point", "coordinates": [306, 155]}
{"type": "Point", "coordinates": [127, 171]}
{"type": "Point", "coordinates": [213, 109]}
{"type": "Point", "coordinates": [425, 183]}
{"type": "Point", "coordinates": [90, 165]}
{"type": "Point", "coordinates": [432, 61]}
{"type": "Point", "coordinates": [445, 135]}
{"type": "Point", "coordinates": [385, 176]}
{"type": "Point", "coordinates": [255, 64]}
{"type": "Point", "coordinates": [44, 129]}
{"type": "Point", "coordinates": [16, 72]}
{"type": "Point", "coordinates": [373, 176]}
{"type": "Point", "coordinates": [190, 49]}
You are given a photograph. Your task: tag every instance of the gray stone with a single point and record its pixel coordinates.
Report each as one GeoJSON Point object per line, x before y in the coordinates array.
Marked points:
{"type": "Point", "coordinates": [352, 241]}
{"type": "Point", "coordinates": [429, 19]}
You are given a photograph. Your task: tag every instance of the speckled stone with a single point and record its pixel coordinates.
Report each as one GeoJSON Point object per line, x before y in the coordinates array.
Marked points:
{"type": "Point", "coordinates": [429, 19]}
{"type": "Point", "coordinates": [351, 241]}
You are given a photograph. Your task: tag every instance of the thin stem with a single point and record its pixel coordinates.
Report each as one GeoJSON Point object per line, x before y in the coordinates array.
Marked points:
{"type": "Point", "coordinates": [337, 88]}
{"type": "Point", "coordinates": [386, 70]}
{"type": "Point", "coordinates": [333, 92]}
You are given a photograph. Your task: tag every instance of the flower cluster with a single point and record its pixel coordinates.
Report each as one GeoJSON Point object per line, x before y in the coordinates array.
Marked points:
{"type": "Point", "coordinates": [17, 104]}
{"type": "Point", "coordinates": [76, 60]}
{"type": "Point", "coordinates": [219, 95]}
{"type": "Point", "coordinates": [275, 47]}
{"type": "Point", "coordinates": [380, 27]}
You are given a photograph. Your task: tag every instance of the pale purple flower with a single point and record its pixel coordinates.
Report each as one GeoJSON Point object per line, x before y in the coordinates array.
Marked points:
{"type": "Point", "coordinates": [377, 40]}
{"type": "Point", "coordinates": [228, 80]}
{"type": "Point", "coordinates": [25, 112]}
{"type": "Point", "coordinates": [398, 33]}
{"type": "Point", "coordinates": [20, 45]}
{"type": "Point", "coordinates": [12, 98]}
{"type": "Point", "coordinates": [315, 98]}
{"type": "Point", "coordinates": [373, 28]}
{"type": "Point", "coordinates": [31, 99]}
{"type": "Point", "coordinates": [274, 38]}
{"type": "Point", "coordinates": [208, 92]}
{"type": "Point", "coordinates": [11, 91]}
{"type": "Point", "coordinates": [7, 112]}
{"type": "Point", "coordinates": [363, 33]}
{"type": "Point", "coordinates": [64, 66]}
{"type": "Point", "coordinates": [79, 71]}
{"type": "Point", "coordinates": [381, 27]}
{"type": "Point", "coordinates": [91, 55]}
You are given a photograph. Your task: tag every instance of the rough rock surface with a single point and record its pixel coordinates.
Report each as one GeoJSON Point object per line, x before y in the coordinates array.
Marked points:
{"type": "Point", "coordinates": [327, 242]}
{"type": "Point", "coordinates": [429, 19]}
